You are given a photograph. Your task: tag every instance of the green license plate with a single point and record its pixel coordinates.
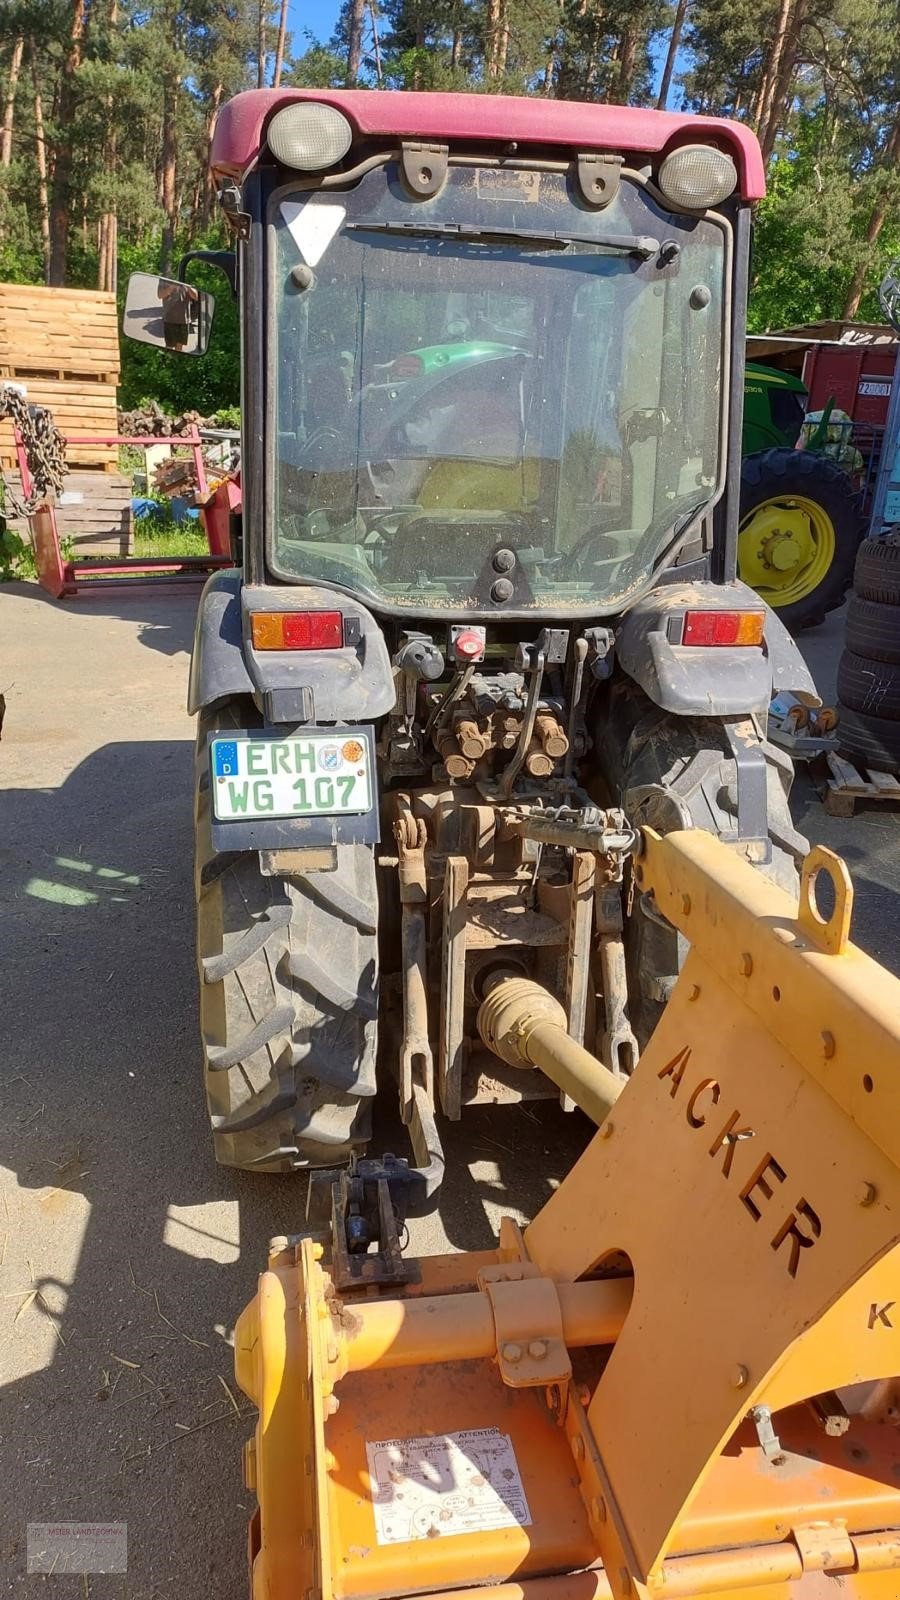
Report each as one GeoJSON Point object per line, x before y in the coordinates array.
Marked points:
{"type": "Point", "coordinates": [313, 774]}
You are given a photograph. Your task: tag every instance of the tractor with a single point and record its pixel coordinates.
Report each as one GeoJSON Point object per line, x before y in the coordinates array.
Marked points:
{"type": "Point", "coordinates": [801, 513]}
{"type": "Point", "coordinates": [485, 623]}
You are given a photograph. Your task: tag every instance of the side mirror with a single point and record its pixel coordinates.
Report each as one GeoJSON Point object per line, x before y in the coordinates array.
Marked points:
{"type": "Point", "coordinates": [165, 312]}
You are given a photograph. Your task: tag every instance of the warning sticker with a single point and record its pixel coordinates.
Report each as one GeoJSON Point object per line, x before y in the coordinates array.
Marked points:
{"type": "Point", "coordinates": [453, 1483]}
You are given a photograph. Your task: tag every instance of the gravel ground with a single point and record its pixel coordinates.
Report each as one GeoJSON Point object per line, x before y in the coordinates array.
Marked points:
{"type": "Point", "coordinates": [125, 1254]}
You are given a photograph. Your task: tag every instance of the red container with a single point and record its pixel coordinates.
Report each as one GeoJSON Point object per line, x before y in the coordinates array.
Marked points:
{"type": "Point", "coordinates": [857, 377]}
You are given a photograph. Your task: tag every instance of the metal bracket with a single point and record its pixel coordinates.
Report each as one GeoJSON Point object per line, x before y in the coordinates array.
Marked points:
{"type": "Point", "coordinates": [424, 168]}
{"type": "Point", "coordinates": [825, 1546]}
{"type": "Point", "coordinates": [752, 784]}
{"type": "Point", "coordinates": [531, 1347]}
{"type": "Point", "coordinates": [761, 1416]}
{"type": "Point", "coordinates": [598, 178]}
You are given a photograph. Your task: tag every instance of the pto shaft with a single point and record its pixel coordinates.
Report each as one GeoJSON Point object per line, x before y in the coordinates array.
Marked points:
{"type": "Point", "coordinates": [526, 1027]}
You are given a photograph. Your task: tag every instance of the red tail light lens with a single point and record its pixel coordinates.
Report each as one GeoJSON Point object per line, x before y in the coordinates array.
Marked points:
{"type": "Point", "coordinates": [297, 630]}
{"type": "Point", "coordinates": [723, 627]}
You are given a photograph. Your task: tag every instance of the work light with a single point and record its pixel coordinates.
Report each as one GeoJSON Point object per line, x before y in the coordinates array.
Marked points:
{"type": "Point", "coordinates": [696, 176]}
{"type": "Point", "coordinates": [309, 136]}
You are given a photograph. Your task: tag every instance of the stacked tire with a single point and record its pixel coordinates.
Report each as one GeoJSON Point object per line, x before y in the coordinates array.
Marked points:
{"type": "Point", "coordinates": [868, 682]}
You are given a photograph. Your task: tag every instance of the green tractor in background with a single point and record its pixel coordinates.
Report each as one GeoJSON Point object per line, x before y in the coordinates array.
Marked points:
{"type": "Point", "coordinates": [801, 514]}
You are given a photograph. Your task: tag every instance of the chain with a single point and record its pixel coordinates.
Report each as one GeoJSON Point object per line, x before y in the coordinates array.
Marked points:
{"type": "Point", "coordinates": [45, 450]}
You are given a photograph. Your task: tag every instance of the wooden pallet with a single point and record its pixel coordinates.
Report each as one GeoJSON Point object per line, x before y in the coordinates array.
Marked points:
{"type": "Point", "coordinates": [847, 786]}
{"type": "Point", "coordinates": [62, 345]}
{"type": "Point", "coordinates": [95, 513]}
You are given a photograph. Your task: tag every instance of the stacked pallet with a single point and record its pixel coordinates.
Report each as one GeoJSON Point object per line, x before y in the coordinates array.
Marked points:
{"type": "Point", "coordinates": [62, 346]}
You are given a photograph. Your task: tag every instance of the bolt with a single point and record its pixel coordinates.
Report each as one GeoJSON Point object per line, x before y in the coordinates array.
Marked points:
{"type": "Point", "coordinates": [828, 1044]}
{"type": "Point", "coordinates": [866, 1194]}
{"type": "Point", "coordinates": [332, 1351]}
{"type": "Point", "coordinates": [606, 1129]}
{"type": "Point", "coordinates": [695, 992]}
{"type": "Point", "coordinates": [746, 963]}
{"type": "Point", "coordinates": [279, 1243]}
{"type": "Point", "coordinates": [584, 1394]}
{"type": "Point", "coordinates": [512, 1353]}
{"type": "Point", "coordinates": [537, 1349]}
{"type": "Point", "coordinates": [598, 1511]}
{"type": "Point", "coordinates": [686, 904]}
{"type": "Point", "coordinates": [739, 1377]}
{"type": "Point", "coordinates": [578, 1447]}
{"type": "Point", "coordinates": [332, 1404]}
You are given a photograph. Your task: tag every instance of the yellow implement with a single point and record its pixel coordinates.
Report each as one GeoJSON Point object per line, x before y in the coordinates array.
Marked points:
{"type": "Point", "coordinates": [680, 1380]}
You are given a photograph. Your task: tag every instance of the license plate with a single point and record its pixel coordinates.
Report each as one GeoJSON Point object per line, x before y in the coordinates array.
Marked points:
{"type": "Point", "coordinates": [307, 775]}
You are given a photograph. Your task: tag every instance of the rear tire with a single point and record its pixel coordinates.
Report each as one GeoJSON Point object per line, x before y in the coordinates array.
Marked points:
{"type": "Point", "coordinates": [869, 741]}
{"type": "Point", "coordinates": [877, 574]}
{"type": "Point", "coordinates": [288, 971]}
{"type": "Point", "coordinates": [872, 687]}
{"type": "Point", "coordinates": [678, 772]}
{"type": "Point", "coordinates": [873, 630]}
{"type": "Point", "coordinates": [779, 477]}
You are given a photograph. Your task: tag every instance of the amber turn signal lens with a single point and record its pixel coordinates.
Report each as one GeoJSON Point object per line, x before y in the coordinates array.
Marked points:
{"type": "Point", "coordinates": [723, 627]}
{"type": "Point", "coordinates": [296, 630]}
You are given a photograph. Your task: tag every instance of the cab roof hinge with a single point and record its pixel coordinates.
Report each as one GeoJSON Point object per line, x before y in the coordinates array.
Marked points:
{"type": "Point", "coordinates": [424, 168]}
{"type": "Point", "coordinates": [598, 178]}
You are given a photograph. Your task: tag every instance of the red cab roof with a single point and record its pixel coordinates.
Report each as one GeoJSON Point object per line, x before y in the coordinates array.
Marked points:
{"type": "Point", "coordinates": [575, 124]}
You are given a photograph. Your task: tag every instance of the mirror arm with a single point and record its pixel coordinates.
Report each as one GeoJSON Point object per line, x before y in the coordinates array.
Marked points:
{"type": "Point", "coordinates": [225, 260]}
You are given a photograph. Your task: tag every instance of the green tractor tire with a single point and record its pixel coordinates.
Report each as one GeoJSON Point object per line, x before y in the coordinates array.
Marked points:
{"type": "Point", "coordinates": [801, 524]}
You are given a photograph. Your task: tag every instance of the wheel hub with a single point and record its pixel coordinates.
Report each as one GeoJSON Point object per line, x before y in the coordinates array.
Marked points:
{"type": "Point", "coordinates": [785, 549]}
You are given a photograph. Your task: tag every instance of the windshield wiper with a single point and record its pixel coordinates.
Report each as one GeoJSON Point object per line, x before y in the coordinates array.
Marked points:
{"type": "Point", "coordinates": [632, 244]}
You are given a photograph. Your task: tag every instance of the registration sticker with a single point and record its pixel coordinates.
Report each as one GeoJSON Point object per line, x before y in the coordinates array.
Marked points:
{"type": "Point", "coordinates": [452, 1483]}
{"type": "Point", "coordinates": [316, 774]}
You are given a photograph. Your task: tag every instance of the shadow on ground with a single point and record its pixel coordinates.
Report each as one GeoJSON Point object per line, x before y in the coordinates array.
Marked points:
{"type": "Point", "coordinates": [118, 1311]}
{"type": "Point", "coordinates": [161, 609]}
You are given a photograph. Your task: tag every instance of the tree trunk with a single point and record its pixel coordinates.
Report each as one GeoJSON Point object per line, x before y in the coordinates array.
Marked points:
{"type": "Point", "coordinates": [169, 169]}
{"type": "Point", "coordinates": [376, 44]}
{"type": "Point", "coordinates": [9, 109]}
{"type": "Point", "coordinates": [671, 54]}
{"type": "Point", "coordinates": [261, 46]}
{"type": "Point", "coordinates": [355, 41]}
{"type": "Point", "coordinates": [771, 68]}
{"type": "Point", "coordinates": [877, 220]}
{"type": "Point", "coordinates": [40, 156]}
{"type": "Point", "coordinates": [492, 42]}
{"type": "Point", "coordinates": [106, 266]}
{"type": "Point", "coordinates": [625, 72]}
{"type": "Point", "coordinates": [62, 163]}
{"type": "Point", "coordinates": [279, 48]}
{"type": "Point", "coordinates": [782, 90]}
{"type": "Point", "coordinates": [209, 182]}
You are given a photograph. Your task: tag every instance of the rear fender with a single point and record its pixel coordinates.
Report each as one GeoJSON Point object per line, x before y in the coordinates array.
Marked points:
{"type": "Point", "coordinates": [707, 682]}
{"type": "Point", "coordinates": [349, 685]}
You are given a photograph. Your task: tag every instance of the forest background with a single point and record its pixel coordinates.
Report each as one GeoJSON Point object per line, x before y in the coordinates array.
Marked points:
{"type": "Point", "coordinates": [108, 106]}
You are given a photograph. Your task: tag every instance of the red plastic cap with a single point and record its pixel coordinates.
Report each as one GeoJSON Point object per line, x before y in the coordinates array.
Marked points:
{"type": "Point", "coordinates": [470, 646]}
{"type": "Point", "coordinates": [723, 627]}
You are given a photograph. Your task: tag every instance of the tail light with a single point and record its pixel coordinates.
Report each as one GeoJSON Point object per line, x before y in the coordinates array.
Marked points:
{"type": "Point", "coordinates": [296, 630]}
{"type": "Point", "coordinates": [723, 627]}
